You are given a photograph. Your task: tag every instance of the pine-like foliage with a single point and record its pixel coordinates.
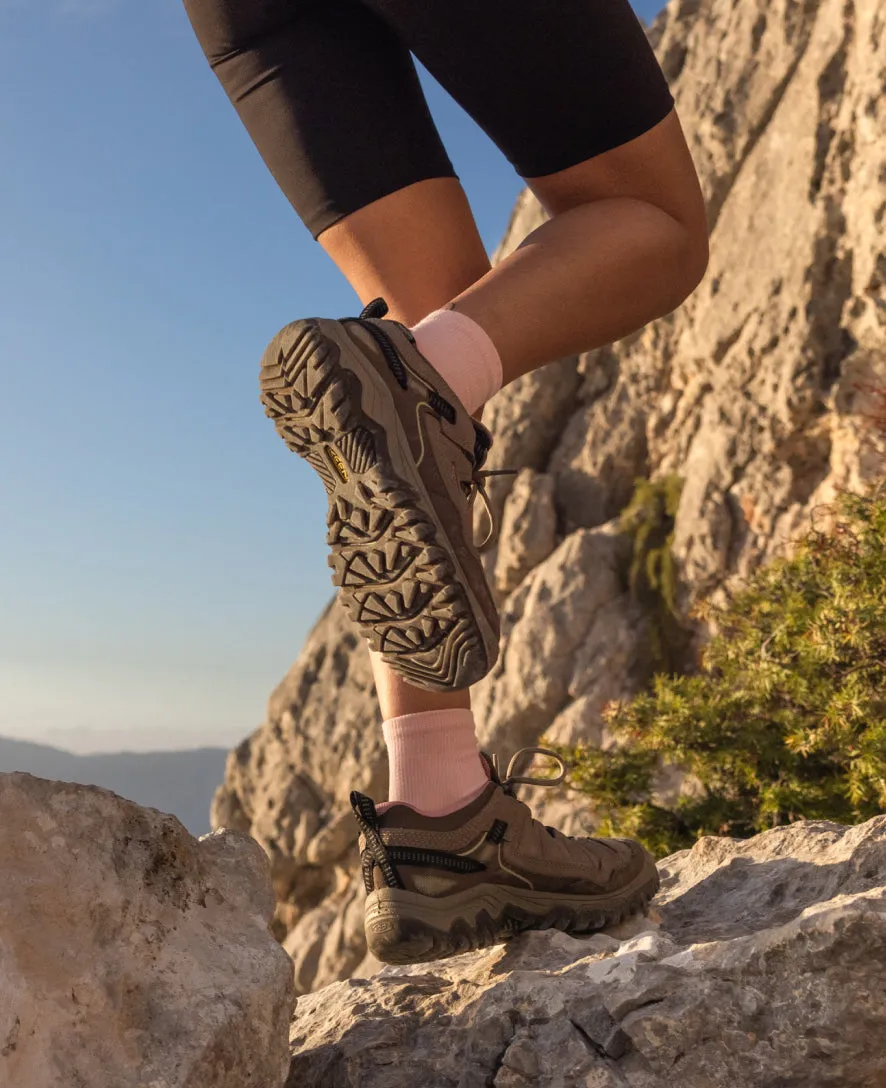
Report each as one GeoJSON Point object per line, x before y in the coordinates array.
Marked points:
{"type": "Point", "coordinates": [787, 717]}
{"type": "Point", "coordinates": [649, 521]}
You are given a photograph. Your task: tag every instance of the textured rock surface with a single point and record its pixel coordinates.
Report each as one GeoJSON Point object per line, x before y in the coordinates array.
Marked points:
{"type": "Point", "coordinates": [568, 634]}
{"type": "Point", "coordinates": [528, 529]}
{"type": "Point", "coordinates": [131, 954]}
{"type": "Point", "coordinates": [766, 969]}
{"type": "Point", "coordinates": [754, 391]}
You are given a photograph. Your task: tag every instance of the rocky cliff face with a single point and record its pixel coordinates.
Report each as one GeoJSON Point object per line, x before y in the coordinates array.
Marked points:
{"type": "Point", "coordinates": [755, 392]}
{"type": "Point", "coordinates": [131, 954]}
{"type": "Point", "coordinates": [765, 969]}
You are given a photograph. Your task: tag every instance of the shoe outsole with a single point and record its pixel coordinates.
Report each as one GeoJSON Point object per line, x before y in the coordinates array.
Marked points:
{"type": "Point", "coordinates": [398, 937]}
{"type": "Point", "coordinates": [392, 564]}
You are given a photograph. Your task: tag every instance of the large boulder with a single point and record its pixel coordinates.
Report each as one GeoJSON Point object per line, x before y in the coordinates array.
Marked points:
{"type": "Point", "coordinates": [765, 967]}
{"type": "Point", "coordinates": [757, 392]}
{"type": "Point", "coordinates": [131, 954]}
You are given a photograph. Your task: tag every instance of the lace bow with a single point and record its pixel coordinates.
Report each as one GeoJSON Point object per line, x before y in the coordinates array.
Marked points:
{"type": "Point", "coordinates": [511, 779]}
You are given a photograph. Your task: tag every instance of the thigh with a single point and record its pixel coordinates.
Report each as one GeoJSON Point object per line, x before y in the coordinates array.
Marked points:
{"type": "Point", "coordinates": [569, 90]}
{"type": "Point", "coordinates": [552, 82]}
{"type": "Point", "coordinates": [330, 96]}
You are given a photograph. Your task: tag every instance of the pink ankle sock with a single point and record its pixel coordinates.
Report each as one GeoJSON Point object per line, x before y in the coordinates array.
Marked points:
{"type": "Point", "coordinates": [434, 761]}
{"type": "Point", "coordinates": [459, 349]}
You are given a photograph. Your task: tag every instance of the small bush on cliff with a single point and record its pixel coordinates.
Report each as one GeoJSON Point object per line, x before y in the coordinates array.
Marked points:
{"type": "Point", "coordinates": [787, 718]}
{"type": "Point", "coordinates": [649, 520]}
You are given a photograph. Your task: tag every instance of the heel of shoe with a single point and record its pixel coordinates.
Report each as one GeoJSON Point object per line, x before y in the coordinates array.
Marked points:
{"type": "Point", "coordinates": [305, 390]}
{"type": "Point", "coordinates": [401, 929]}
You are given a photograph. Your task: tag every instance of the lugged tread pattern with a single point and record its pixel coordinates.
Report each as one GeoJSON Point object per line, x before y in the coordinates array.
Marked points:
{"type": "Point", "coordinates": [396, 579]}
{"type": "Point", "coordinates": [358, 449]}
{"type": "Point", "coordinates": [403, 940]}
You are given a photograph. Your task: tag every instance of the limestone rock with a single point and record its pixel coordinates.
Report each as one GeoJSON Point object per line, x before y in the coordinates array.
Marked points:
{"type": "Point", "coordinates": [563, 639]}
{"type": "Point", "coordinates": [756, 391]}
{"type": "Point", "coordinates": [132, 954]}
{"type": "Point", "coordinates": [765, 968]}
{"type": "Point", "coordinates": [594, 480]}
{"type": "Point", "coordinates": [526, 420]}
{"type": "Point", "coordinates": [528, 529]}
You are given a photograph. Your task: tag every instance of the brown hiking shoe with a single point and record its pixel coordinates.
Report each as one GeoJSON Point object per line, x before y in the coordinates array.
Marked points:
{"type": "Point", "coordinates": [437, 886]}
{"type": "Point", "coordinates": [400, 458]}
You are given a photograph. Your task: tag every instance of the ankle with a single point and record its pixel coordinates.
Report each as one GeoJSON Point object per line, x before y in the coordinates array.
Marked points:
{"type": "Point", "coordinates": [434, 761]}
{"type": "Point", "coordinates": [462, 352]}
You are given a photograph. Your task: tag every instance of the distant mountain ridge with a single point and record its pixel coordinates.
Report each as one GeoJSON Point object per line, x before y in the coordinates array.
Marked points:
{"type": "Point", "coordinates": [181, 783]}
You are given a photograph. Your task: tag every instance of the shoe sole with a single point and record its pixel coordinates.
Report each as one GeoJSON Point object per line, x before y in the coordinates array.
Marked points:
{"type": "Point", "coordinates": [399, 578]}
{"type": "Point", "coordinates": [406, 927]}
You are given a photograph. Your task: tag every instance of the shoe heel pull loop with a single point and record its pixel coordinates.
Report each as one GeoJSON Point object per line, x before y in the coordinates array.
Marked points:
{"type": "Point", "coordinates": [364, 808]}
{"type": "Point", "coordinates": [377, 308]}
{"type": "Point", "coordinates": [386, 344]}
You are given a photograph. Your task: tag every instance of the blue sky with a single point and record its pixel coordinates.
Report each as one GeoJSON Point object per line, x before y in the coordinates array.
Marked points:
{"type": "Point", "coordinates": [162, 555]}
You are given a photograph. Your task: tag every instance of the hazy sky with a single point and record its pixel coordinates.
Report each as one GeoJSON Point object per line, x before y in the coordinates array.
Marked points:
{"type": "Point", "coordinates": [162, 554]}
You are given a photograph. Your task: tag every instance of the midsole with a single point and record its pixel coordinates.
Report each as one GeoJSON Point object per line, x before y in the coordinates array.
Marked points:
{"type": "Point", "coordinates": [493, 898]}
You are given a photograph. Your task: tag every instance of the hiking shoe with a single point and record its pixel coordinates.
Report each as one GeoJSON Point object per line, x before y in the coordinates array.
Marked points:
{"type": "Point", "coordinates": [400, 458]}
{"type": "Point", "coordinates": [438, 886]}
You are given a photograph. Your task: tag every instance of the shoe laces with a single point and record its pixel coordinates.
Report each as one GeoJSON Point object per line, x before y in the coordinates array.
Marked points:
{"type": "Point", "coordinates": [483, 438]}
{"type": "Point", "coordinates": [477, 485]}
{"type": "Point", "coordinates": [511, 780]}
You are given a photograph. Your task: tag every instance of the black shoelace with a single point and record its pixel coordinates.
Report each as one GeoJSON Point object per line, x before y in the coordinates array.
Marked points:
{"type": "Point", "coordinates": [378, 308]}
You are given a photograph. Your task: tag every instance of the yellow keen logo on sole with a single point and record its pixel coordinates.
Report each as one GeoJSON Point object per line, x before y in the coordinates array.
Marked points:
{"type": "Point", "coordinates": [337, 464]}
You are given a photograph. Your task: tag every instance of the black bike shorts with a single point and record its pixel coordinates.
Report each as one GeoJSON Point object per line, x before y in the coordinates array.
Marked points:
{"type": "Point", "coordinates": [329, 93]}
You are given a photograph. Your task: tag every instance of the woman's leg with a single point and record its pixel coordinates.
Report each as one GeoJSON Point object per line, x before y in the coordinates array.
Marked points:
{"type": "Point", "coordinates": [572, 94]}
{"type": "Point", "coordinates": [418, 248]}
{"type": "Point", "coordinates": [626, 244]}
{"type": "Point", "coordinates": [330, 97]}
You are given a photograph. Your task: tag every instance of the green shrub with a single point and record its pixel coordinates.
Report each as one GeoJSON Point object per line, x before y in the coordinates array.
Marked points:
{"type": "Point", "coordinates": [787, 717]}
{"type": "Point", "coordinates": [649, 521]}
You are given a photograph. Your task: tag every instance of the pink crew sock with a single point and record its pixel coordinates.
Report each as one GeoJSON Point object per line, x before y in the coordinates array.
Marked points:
{"type": "Point", "coordinates": [459, 349]}
{"type": "Point", "coordinates": [434, 761]}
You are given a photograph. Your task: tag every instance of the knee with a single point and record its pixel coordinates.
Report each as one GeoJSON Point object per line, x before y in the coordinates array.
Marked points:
{"type": "Point", "coordinates": [701, 253]}
{"type": "Point", "coordinates": [695, 257]}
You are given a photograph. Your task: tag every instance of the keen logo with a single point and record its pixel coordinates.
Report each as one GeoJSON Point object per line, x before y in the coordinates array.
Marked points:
{"type": "Point", "coordinates": [337, 464]}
